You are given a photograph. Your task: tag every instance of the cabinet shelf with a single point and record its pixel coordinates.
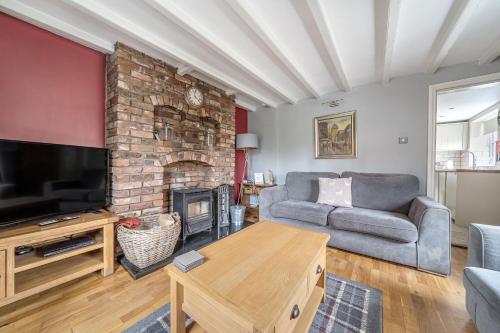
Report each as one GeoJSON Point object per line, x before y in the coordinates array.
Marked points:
{"type": "Point", "coordinates": [34, 259]}
{"type": "Point", "coordinates": [44, 277]}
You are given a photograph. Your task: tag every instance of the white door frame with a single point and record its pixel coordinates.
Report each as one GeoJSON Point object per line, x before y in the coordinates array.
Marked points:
{"type": "Point", "coordinates": [431, 127]}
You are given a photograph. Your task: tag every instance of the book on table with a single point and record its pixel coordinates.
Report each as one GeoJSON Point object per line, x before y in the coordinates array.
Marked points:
{"type": "Point", "coordinates": [188, 261]}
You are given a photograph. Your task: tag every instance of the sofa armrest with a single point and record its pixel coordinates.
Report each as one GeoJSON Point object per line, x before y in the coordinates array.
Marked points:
{"type": "Point", "coordinates": [269, 196]}
{"type": "Point", "coordinates": [484, 246]}
{"type": "Point", "coordinates": [433, 222]}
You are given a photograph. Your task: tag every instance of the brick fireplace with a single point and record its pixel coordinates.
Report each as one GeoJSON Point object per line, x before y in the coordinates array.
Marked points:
{"type": "Point", "coordinates": [157, 142]}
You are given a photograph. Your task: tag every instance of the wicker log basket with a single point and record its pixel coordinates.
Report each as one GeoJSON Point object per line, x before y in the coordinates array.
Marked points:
{"type": "Point", "coordinates": [145, 247]}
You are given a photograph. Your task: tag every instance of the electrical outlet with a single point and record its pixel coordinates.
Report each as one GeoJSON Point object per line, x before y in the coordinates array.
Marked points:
{"type": "Point", "coordinates": [403, 140]}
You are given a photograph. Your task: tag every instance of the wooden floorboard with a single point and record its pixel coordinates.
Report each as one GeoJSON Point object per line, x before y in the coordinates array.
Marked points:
{"type": "Point", "coordinates": [413, 301]}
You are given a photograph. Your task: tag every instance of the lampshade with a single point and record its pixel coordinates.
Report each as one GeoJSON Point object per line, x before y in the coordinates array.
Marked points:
{"type": "Point", "coordinates": [247, 141]}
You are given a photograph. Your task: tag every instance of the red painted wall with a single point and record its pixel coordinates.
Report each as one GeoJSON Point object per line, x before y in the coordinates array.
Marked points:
{"type": "Point", "coordinates": [241, 126]}
{"type": "Point", "coordinates": [51, 89]}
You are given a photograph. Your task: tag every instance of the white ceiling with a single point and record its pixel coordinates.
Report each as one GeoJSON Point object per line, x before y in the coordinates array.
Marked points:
{"type": "Point", "coordinates": [281, 51]}
{"type": "Point", "coordinates": [463, 104]}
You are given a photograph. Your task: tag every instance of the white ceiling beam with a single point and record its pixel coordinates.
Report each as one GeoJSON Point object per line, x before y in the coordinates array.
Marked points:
{"type": "Point", "coordinates": [183, 19]}
{"type": "Point", "coordinates": [264, 32]}
{"type": "Point", "coordinates": [184, 69]}
{"type": "Point", "coordinates": [387, 18]}
{"type": "Point", "coordinates": [131, 29]}
{"type": "Point", "coordinates": [55, 25]}
{"type": "Point", "coordinates": [248, 100]}
{"type": "Point", "coordinates": [453, 25]}
{"type": "Point", "coordinates": [324, 26]}
{"type": "Point", "coordinates": [491, 53]}
{"type": "Point", "coordinates": [245, 105]}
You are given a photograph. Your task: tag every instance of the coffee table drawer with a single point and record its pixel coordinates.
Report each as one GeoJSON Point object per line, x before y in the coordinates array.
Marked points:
{"type": "Point", "coordinates": [291, 315]}
{"type": "Point", "coordinates": [315, 272]}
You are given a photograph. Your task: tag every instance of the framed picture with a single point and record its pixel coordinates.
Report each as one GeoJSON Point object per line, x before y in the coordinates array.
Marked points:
{"type": "Point", "coordinates": [258, 178]}
{"type": "Point", "coordinates": [335, 135]}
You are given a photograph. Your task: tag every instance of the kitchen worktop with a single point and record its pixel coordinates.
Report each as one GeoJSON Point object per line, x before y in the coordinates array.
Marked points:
{"type": "Point", "coordinates": [482, 170]}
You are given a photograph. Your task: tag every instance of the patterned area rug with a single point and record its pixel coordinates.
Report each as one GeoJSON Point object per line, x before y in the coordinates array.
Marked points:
{"type": "Point", "coordinates": [350, 307]}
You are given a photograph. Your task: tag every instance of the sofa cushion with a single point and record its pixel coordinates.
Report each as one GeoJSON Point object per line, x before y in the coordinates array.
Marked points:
{"type": "Point", "coordinates": [302, 210]}
{"type": "Point", "coordinates": [390, 225]}
{"type": "Point", "coordinates": [390, 192]}
{"type": "Point", "coordinates": [335, 192]}
{"type": "Point", "coordinates": [304, 186]}
{"type": "Point", "coordinates": [486, 283]}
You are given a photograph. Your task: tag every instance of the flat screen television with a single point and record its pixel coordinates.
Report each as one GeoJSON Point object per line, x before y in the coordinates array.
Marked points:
{"type": "Point", "coordinates": [40, 180]}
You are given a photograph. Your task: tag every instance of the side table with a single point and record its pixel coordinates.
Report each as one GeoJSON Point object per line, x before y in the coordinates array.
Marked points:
{"type": "Point", "coordinates": [249, 190]}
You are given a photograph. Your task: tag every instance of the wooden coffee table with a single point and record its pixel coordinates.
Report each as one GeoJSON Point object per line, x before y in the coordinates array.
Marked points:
{"type": "Point", "coordinates": [266, 278]}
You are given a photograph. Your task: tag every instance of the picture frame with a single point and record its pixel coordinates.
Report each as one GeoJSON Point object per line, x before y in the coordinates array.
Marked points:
{"type": "Point", "coordinates": [258, 178]}
{"type": "Point", "coordinates": [335, 136]}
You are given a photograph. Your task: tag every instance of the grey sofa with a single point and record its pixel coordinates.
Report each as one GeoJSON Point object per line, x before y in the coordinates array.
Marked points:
{"type": "Point", "coordinates": [482, 277]}
{"type": "Point", "coordinates": [389, 219]}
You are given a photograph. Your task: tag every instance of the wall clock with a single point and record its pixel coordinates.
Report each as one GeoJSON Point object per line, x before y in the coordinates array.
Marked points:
{"type": "Point", "coordinates": [194, 97]}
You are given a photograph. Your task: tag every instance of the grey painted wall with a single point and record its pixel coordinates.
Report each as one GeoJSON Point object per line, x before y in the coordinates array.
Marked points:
{"type": "Point", "coordinates": [264, 123]}
{"type": "Point", "coordinates": [383, 113]}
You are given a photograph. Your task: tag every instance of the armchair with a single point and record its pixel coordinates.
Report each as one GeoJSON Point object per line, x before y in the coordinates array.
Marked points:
{"type": "Point", "coordinates": [482, 277]}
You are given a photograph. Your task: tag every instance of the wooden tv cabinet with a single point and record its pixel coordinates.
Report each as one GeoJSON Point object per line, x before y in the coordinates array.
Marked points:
{"type": "Point", "coordinates": [25, 275]}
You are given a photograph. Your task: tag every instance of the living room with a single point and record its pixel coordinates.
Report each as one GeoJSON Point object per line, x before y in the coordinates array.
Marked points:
{"type": "Point", "coordinates": [249, 166]}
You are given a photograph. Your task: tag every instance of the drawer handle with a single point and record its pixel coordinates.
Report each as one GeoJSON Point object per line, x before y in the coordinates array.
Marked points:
{"type": "Point", "coordinates": [319, 269]}
{"type": "Point", "coordinates": [295, 312]}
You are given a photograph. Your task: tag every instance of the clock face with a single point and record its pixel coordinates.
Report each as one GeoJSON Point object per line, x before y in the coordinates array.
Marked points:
{"type": "Point", "coordinates": [194, 97]}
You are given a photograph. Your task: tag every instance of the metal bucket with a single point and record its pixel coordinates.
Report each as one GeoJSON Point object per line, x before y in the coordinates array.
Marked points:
{"type": "Point", "coordinates": [237, 214]}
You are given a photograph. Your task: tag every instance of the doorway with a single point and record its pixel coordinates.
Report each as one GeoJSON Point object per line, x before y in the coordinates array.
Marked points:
{"type": "Point", "coordinates": [463, 171]}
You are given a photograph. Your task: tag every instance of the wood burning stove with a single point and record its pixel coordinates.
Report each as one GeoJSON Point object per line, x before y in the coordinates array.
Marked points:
{"type": "Point", "coordinates": [194, 205]}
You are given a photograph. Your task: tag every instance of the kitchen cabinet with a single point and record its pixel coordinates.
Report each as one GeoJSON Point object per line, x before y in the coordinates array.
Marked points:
{"type": "Point", "coordinates": [471, 195]}
{"type": "Point", "coordinates": [477, 198]}
{"type": "Point", "coordinates": [452, 136]}
{"type": "Point", "coordinates": [446, 190]}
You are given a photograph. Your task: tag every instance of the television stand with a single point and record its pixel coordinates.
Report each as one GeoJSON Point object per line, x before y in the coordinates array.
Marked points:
{"type": "Point", "coordinates": [25, 275]}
